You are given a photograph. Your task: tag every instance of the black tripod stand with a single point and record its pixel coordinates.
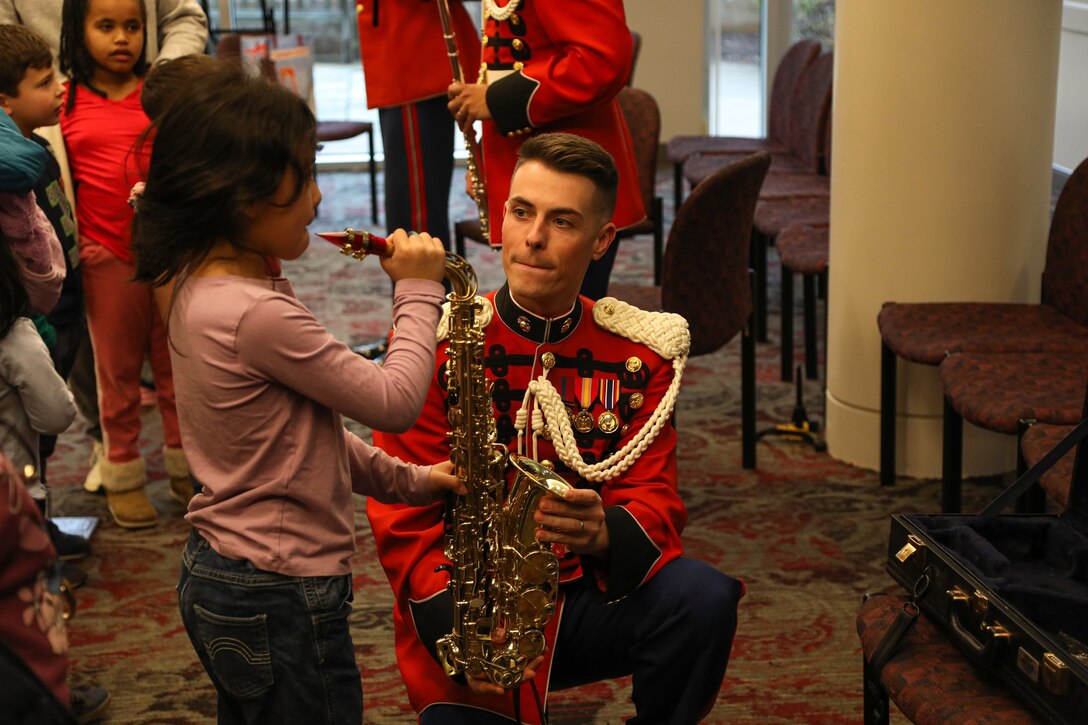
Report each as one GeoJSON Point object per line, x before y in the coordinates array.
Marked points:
{"type": "Point", "coordinates": [800, 428]}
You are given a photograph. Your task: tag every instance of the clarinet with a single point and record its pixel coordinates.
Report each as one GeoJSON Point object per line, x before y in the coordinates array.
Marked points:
{"type": "Point", "coordinates": [479, 193]}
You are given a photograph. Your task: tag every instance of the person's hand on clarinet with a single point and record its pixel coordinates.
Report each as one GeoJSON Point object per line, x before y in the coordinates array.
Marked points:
{"type": "Point", "coordinates": [418, 256]}
{"type": "Point", "coordinates": [468, 104]}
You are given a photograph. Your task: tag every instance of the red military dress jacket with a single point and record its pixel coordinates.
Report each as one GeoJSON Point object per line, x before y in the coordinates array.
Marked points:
{"type": "Point", "coordinates": [557, 65]}
{"type": "Point", "coordinates": [404, 51]}
{"type": "Point", "coordinates": [594, 369]}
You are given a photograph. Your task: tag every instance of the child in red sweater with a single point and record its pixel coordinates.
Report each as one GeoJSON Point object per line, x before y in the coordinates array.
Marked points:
{"type": "Point", "coordinates": [102, 51]}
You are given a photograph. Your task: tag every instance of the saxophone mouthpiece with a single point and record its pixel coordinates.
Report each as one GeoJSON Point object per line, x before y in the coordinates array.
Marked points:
{"type": "Point", "coordinates": [354, 243]}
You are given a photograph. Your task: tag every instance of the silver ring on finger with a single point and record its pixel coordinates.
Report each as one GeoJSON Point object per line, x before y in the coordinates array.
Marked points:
{"type": "Point", "coordinates": [581, 527]}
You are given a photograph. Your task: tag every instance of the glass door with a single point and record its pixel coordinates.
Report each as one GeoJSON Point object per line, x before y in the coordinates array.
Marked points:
{"type": "Point", "coordinates": [735, 68]}
{"type": "Point", "coordinates": [745, 40]}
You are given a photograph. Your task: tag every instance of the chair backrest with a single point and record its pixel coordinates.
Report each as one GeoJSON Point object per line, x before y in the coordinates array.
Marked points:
{"type": "Point", "coordinates": [1065, 278]}
{"type": "Point", "coordinates": [643, 117]}
{"type": "Point", "coordinates": [794, 61]}
{"type": "Point", "coordinates": [705, 268]}
{"type": "Point", "coordinates": [811, 104]}
{"type": "Point", "coordinates": [826, 159]}
{"type": "Point", "coordinates": [636, 46]}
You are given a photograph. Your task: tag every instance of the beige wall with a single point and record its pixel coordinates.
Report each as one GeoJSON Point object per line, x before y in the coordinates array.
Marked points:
{"type": "Point", "coordinates": [672, 64]}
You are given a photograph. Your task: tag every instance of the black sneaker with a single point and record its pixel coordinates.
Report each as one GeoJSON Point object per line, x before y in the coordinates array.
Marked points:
{"type": "Point", "coordinates": [89, 703]}
{"type": "Point", "coordinates": [69, 546]}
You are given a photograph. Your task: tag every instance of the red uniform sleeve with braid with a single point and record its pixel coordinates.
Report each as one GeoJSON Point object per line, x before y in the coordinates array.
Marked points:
{"type": "Point", "coordinates": [589, 63]}
{"type": "Point", "coordinates": [643, 509]}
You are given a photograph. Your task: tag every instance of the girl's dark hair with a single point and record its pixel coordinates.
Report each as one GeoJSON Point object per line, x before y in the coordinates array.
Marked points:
{"type": "Point", "coordinates": [74, 58]}
{"type": "Point", "coordinates": [228, 145]}
{"type": "Point", "coordinates": [14, 302]}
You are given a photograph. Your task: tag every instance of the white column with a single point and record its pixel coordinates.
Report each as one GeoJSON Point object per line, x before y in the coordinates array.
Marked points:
{"type": "Point", "coordinates": [943, 141]}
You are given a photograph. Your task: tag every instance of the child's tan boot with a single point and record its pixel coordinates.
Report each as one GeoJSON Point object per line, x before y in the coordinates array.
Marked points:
{"type": "Point", "coordinates": [126, 494]}
{"type": "Point", "coordinates": [177, 468]}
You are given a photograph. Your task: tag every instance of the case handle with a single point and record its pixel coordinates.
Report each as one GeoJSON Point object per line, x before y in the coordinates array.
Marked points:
{"type": "Point", "coordinates": [983, 649]}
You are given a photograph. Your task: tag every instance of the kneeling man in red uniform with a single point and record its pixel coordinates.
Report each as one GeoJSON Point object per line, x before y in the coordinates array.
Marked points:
{"type": "Point", "coordinates": [628, 602]}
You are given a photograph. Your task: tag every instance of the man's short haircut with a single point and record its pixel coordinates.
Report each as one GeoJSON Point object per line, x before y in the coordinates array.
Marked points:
{"type": "Point", "coordinates": [570, 154]}
{"type": "Point", "coordinates": [167, 82]}
{"type": "Point", "coordinates": [20, 49]}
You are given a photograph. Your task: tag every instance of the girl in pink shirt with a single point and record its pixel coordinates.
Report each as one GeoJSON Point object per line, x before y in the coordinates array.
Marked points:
{"type": "Point", "coordinates": [102, 51]}
{"type": "Point", "coordinates": [265, 587]}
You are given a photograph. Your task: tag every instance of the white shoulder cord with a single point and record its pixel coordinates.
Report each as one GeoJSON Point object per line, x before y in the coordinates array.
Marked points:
{"type": "Point", "coordinates": [484, 312]}
{"type": "Point", "coordinates": [664, 333]}
{"type": "Point", "coordinates": [498, 13]}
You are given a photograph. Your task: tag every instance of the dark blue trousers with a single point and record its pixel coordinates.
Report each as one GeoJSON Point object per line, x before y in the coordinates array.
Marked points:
{"type": "Point", "coordinates": [418, 142]}
{"type": "Point", "coordinates": [673, 636]}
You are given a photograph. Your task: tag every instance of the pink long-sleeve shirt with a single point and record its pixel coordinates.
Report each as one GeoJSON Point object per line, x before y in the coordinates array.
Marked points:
{"type": "Point", "coordinates": [261, 387]}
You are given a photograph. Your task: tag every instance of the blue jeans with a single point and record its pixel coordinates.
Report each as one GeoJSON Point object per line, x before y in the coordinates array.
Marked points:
{"type": "Point", "coordinates": [277, 648]}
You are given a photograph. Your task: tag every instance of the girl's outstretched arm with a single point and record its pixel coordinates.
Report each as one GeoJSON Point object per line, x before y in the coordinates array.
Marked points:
{"type": "Point", "coordinates": [279, 338]}
{"type": "Point", "coordinates": [388, 479]}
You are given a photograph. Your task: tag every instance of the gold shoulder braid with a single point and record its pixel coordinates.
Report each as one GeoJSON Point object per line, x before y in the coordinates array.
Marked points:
{"type": "Point", "coordinates": [663, 332]}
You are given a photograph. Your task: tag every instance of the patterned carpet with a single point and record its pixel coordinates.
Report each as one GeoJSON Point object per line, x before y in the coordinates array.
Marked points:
{"type": "Point", "coordinates": [806, 533]}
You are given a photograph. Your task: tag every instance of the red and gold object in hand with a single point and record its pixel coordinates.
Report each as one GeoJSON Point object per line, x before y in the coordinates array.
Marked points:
{"type": "Point", "coordinates": [357, 244]}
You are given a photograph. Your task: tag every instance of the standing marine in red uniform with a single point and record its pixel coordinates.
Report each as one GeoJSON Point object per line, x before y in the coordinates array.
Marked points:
{"type": "Point", "coordinates": [628, 602]}
{"type": "Point", "coordinates": [407, 72]}
{"type": "Point", "coordinates": [553, 65]}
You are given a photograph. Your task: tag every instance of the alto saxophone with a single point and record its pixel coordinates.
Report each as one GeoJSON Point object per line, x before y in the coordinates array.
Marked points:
{"type": "Point", "coordinates": [501, 577]}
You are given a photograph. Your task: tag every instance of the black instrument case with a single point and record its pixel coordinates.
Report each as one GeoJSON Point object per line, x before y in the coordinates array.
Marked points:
{"type": "Point", "coordinates": [1011, 590]}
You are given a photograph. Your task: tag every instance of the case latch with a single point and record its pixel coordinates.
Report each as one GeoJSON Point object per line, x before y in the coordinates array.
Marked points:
{"type": "Point", "coordinates": [1055, 674]}
{"type": "Point", "coordinates": [913, 545]}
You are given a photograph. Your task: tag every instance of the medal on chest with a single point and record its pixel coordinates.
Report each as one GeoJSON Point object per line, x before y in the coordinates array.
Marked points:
{"type": "Point", "coordinates": [587, 396]}
{"type": "Point", "coordinates": [608, 421]}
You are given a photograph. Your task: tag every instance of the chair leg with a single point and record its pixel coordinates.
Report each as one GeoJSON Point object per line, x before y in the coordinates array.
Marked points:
{"type": "Point", "coordinates": [758, 255]}
{"type": "Point", "coordinates": [1032, 501]}
{"type": "Point", "coordinates": [677, 186]}
{"type": "Point", "coordinates": [373, 179]}
{"type": "Point", "coordinates": [888, 365]}
{"type": "Point", "coordinates": [874, 698]}
{"type": "Point", "coordinates": [952, 461]}
{"type": "Point", "coordinates": [809, 285]}
{"type": "Point", "coordinates": [748, 397]}
{"type": "Point", "coordinates": [786, 341]}
{"type": "Point", "coordinates": [748, 392]}
{"type": "Point", "coordinates": [659, 237]}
